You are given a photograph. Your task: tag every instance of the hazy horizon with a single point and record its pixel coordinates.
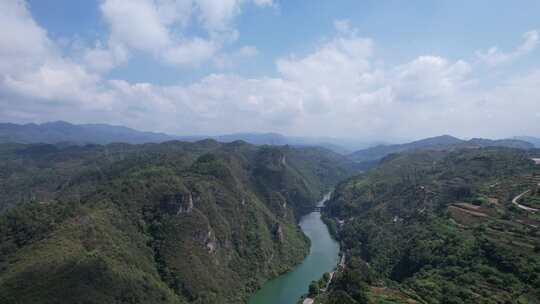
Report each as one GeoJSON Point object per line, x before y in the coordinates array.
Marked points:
{"type": "Point", "coordinates": [344, 142]}
{"type": "Point", "coordinates": [352, 70]}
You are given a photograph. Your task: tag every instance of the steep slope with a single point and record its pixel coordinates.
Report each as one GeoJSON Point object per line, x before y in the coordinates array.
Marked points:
{"type": "Point", "coordinates": [439, 227]}
{"type": "Point", "coordinates": [159, 223]}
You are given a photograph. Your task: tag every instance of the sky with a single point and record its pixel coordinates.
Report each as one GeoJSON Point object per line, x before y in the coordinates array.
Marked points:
{"type": "Point", "coordinates": [368, 70]}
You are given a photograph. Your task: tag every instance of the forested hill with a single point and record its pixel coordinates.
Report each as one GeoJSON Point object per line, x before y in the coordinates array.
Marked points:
{"type": "Point", "coordinates": [440, 227]}
{"type": "Point", "coordinates": [64, 132]}
{"type": "Point", "coordinates": [444, 142]}
{"type": "Point", "coordinates": [157, 223]}
{"type": "Point", "coordinates": [533, 140]}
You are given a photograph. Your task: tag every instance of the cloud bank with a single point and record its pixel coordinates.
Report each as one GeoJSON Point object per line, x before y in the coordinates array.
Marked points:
{"type": "Point", "coordinates": [340, 88]}
{"type": "Point", "coordinates": [494, 57]}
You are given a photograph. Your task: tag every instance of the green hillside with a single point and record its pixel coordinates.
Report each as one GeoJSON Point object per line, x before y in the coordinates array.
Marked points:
{"type": "Point", "coordinates": [157, 223]}
{"type": "Point", "coordinates": [440, 227]}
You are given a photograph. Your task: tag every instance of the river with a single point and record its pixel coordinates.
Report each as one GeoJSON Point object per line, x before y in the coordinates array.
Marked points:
{"type": "Point", "coordinates": [323, 257]}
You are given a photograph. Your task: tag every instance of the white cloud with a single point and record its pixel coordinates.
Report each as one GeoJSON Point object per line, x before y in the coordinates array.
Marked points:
{"type": "Point", "coordinates": [343, 26]}
{"type": "Point", "coordinates": [103, 59]}
{"type": "Point", "coordinates": [264, 2]}
{"type": "Point", "coordinates": [32, 67]}
{"type": "Point", "coordinates": [494, 56]}
{"type": "Point", "coordinates": [248, 51]}
{"type": "Point", "coordinates": [335, 73]}
{"type": "Point", "coordinates": [336, 89]}
{"type": "Point", "coordinates": [158, 27]}
{"type": "Point", "coordinates": [53, 80]}
{"type": "Point", "coordinates": [146, 25]}
{"type": "Point", "coordinates": [23, 44]}
{"type": "Point", "coordinates": [136, 24]}
{"type": "Point", "coordinates": [342, 59]}
{"type": "Point", "coordinates": [228, 61]}
{"type": "Point", "coordinates": [218, 14]}
{"type": "Point", "coordinates": [190, 52]}
{"type": "Point", "coordinates": [428, 78]}
{"type": "Point", "coordinates": [178, 12]}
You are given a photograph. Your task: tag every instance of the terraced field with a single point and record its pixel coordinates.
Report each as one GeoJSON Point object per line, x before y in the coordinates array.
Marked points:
{"type": "Point", "coordinates": [440, 227]}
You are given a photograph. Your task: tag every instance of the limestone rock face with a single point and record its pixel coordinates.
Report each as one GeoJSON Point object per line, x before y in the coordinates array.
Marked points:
{"type": "Point", "coordinates": [177, 203]}
{"type": "Point", "coordinates": [211, 242]}
{"type": "Point", "coordinates": [278, 233]}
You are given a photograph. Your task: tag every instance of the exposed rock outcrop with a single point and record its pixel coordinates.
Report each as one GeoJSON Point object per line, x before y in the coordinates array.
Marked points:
{"type": "Point", "coordinates": [211, 242]}
{"type": "Point", "coordinates": [278, 232]}
{"type": "Point", "coordinates": [177, 203]}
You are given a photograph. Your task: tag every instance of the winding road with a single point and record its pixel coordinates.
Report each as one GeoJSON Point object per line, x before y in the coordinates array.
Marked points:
{"type": "Point", "coordinates": [516, 199]}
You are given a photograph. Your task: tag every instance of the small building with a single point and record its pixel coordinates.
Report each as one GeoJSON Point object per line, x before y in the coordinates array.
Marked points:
{"type": "Point", "coordinates": [536, 160]}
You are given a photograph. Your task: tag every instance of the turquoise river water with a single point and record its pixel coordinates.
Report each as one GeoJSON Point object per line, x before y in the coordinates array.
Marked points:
{"type": "Point", "coordinates": [323, 257]}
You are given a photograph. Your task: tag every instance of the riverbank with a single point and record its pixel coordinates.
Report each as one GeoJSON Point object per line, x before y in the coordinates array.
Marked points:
{"type": "Point", "coordinates": [306, 299]}
{"type": "Point", "coordinates": [323, 257]}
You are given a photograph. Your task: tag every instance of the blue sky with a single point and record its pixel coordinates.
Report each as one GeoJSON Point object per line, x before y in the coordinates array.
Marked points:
{"type": "Point", "coordinates": [367, 69]}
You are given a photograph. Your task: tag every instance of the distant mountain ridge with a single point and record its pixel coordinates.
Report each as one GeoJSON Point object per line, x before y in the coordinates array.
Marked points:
{"type": "Point", "coordinates": [80, 134]}
{"type": "Point", "coordinates": [533, 140]}
{"type": "Point", "coordinates": [65, 132]}
{"type": "Point", "coordinates": [438, 142]}
{"type": "Point", "coordinates": [60, 131]}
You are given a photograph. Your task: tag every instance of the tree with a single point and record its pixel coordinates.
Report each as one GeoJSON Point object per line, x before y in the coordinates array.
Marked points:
{"type": "Point", "coordinates": [341, 297]}
{"type": "Point", "coordinates": [326, 276]}
{"type": "Point", "coordinates": [313, 288]}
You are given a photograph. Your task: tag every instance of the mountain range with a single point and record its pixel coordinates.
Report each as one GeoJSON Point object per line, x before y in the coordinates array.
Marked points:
{"type": "Point", "coordinates": [80, 134]}
{"type": "Point", "coordinates": [64, 132]}
{"type": "Point", "coordinates": [179, 222]}
{"type": "Point", "coordinates": [533, 140]}
{"type": "Point", "coordinates": [443, 142]}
